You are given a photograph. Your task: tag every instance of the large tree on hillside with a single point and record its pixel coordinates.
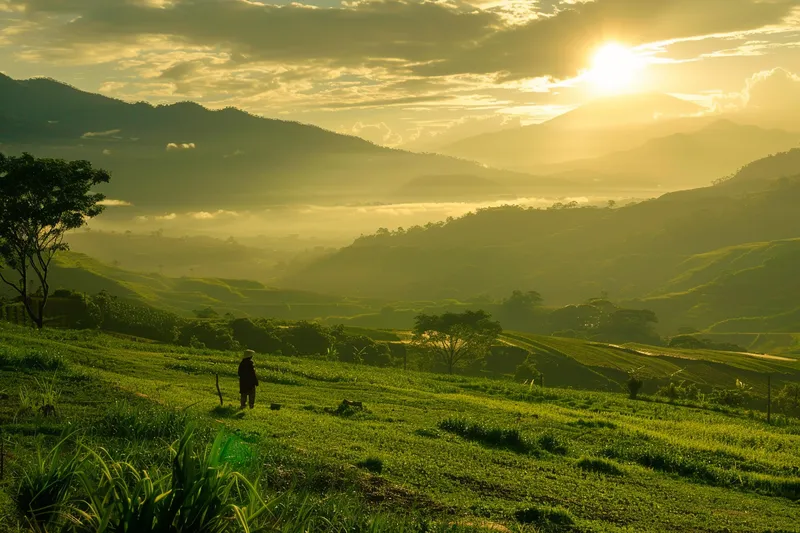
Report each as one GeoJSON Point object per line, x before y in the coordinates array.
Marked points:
{"type": "Point", "coordinates": [41, 200]}
{"type": "Point", "coordinates": [456, 339]}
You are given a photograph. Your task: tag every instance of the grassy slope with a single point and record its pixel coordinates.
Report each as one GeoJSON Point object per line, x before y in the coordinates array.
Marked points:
{"type": "Point", "coordinates": [182, 295]}
{"type": "Point", "coordinates": [606, 366]}
{"type": "Point", "coordinates": [469, 479]}
{"type": "Point", "coordinates": [750, 280]}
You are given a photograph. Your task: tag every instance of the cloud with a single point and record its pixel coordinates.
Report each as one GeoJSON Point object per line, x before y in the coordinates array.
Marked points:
{"type": "Point", "coordinates": [428, 38]}
{"type": "Point", "coordinates": [180, 146]}
{"type": "Point", "coordinates": [773, 90]}
{"type": "Point", "coordinates": [559, 46]}
{"type": "Point", "coordinates": [379, 133]}
{"type": "Point", "coordinates": [770, 91]}
{"type": "Point", "coordinates": [180, 71]}
{"type": "Point", "coordinates": [206, 215]}
{"type": "Point", "coordinates": [108, 202]}
{"type": "Point", "coordinates": [99, 134]}
{"type": "Point", "coordinates": [251, 31]}
{"type": "Point", "coordinates": [111, 86]}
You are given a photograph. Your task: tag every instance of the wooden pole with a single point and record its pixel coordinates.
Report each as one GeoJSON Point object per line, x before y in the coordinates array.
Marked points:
{"type": "Point", "coordinates": [221, 404]}
{"type": "Point", "coordinates": [769, 399]}
{"type": "Point", "coordinates": [541, 380]}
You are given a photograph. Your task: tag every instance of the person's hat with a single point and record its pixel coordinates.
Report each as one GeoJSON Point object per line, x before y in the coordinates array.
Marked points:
{"type": "Point", "coordinates": [249, 353]}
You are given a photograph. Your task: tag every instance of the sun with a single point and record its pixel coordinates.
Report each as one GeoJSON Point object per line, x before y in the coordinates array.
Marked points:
{"type": "Point", "coordinates": [614, 68]}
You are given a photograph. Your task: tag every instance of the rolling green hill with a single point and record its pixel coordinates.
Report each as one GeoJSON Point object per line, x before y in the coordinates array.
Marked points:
{"type": "Point", "coordinates": [600, 366]}
{"type": "Point", "coordinates": [749, 280]}
{"type": "Point", "coordinates": [81, 273]}
{"type": "Point", "coordinates": [696, 257]}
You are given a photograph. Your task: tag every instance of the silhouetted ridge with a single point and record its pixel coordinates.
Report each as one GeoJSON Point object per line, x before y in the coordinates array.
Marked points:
{"type": "Point", "coordinates": [159, 155]}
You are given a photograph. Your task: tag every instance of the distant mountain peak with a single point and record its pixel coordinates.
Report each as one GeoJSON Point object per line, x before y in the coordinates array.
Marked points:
{"type": "Point", "coordinates": [625, 109]}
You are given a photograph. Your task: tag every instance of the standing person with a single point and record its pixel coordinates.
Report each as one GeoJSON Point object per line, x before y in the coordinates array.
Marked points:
{"type": "Point", "coordinates": [248, 381]}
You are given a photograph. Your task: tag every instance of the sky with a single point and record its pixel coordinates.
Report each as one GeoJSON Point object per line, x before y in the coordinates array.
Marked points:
{"type": "Point", "coordinates": [409, 73]}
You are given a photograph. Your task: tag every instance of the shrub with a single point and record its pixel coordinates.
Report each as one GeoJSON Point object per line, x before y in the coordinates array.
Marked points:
{"type": "Point", "coordinates": [428, 433]}
{"type": "Point", "coordinates": [205, 333]}
{"type": "Point", "coordinates": [346, 410]}
{"type": "Point", "coordinates": [736, 397]}
{"type": "Point", "coordinates": [362, 350]}
{"type": "Point", "coordinates": [259, 335]}
{"type": "Point", "coordinates": [527, 372]}
{"type": "Point", "coordinates": [593, 424]}
{"type": "Point", "coordinates": [372, 464]}
{"type": "Point", "coordinates": [509, 438]}
{"type": "Point", "coordinates": [307, 338]}
{"type": "Point", "coordinates": [680, 391]}
{"type": "Point", "coordinates": [545, 518]}
{"type": "Point", "coordinates": [552, 444]}
{"type": "Point", "coordinates": [634, 385]}
{"type": "Point", "coordinates": [787, 400]}
{"type": "Point", "coordinates": [601, 466]}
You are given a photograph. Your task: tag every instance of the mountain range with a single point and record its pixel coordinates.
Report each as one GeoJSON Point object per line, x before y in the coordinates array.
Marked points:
{"type": "Point", "coordinates": [184, 155]}
{"type": "Point", "coordinates": [647, 140]}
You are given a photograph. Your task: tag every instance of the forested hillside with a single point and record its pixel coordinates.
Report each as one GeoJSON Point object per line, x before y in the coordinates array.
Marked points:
{"type": "Point", "coordinates": [569, 254]}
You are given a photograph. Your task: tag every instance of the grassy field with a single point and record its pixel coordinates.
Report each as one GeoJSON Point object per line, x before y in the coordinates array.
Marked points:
{"type": "Point", "coordinates": [707, 368]}
{"type": "Point", "coordinates": [488, 455]}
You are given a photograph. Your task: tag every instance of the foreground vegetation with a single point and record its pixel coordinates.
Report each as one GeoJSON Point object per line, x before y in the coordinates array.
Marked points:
{"type": "Point", "coordinates": [426, 452]}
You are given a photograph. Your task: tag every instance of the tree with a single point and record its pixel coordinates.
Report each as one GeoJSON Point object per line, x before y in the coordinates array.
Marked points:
{"type": "Point", "coordinates": [629, 325]}
{"type": "Point", "coordinates": [522, 302]}
{"type": "Point", "coordinates": [456, 339]}
{"type": "Point", "coordinates": [40, 201]}
{"type": "Point", "coordinates": [206, 313]}
{"type": "Point", "coordinates": [519, 311]}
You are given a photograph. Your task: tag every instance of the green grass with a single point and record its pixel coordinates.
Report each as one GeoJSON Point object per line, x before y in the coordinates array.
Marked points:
{"type": "Point", "coordinates": [602, 462]}
{"type": "Point", "coordinates": [610, 363]}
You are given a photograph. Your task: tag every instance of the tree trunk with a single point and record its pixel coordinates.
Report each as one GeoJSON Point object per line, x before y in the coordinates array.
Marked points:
{"type": "Point", "coordinates": [37, 320]}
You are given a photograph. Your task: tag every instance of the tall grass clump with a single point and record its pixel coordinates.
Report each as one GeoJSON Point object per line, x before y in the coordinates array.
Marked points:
{"type": "Point", "coordinates": [140, 422]}
{"type": "Point", "coordinates": [201, 493]}
{"type": "Point", "coordinates": [698, 468]}
{"type": "Point", "coordinates": [599, 465]}
{"type": "Point", "coordinates": [32, 359]}
{"type": "Point", "coordinates": [545, 518]}
{"type": "Point", "coordinates": [45, 486]}
{"type": "Point", "coordinates": [496, 437]}
{"type": "Point", "coordinates": [41, 399]}
{"type": "Point", "coordinates": [553, 444]}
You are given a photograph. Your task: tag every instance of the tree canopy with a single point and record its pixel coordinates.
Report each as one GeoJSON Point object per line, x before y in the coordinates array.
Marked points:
{"type": "Point", "coordinates": [40, 201]}
{"type": "Point", "coordinates": [456, 339]}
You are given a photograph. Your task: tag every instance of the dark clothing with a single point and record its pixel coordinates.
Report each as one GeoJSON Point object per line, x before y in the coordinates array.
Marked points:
{"type": "Point", "coordinates": [247, 376]}
{"type": "Point", "coordinates": [249, 397]}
